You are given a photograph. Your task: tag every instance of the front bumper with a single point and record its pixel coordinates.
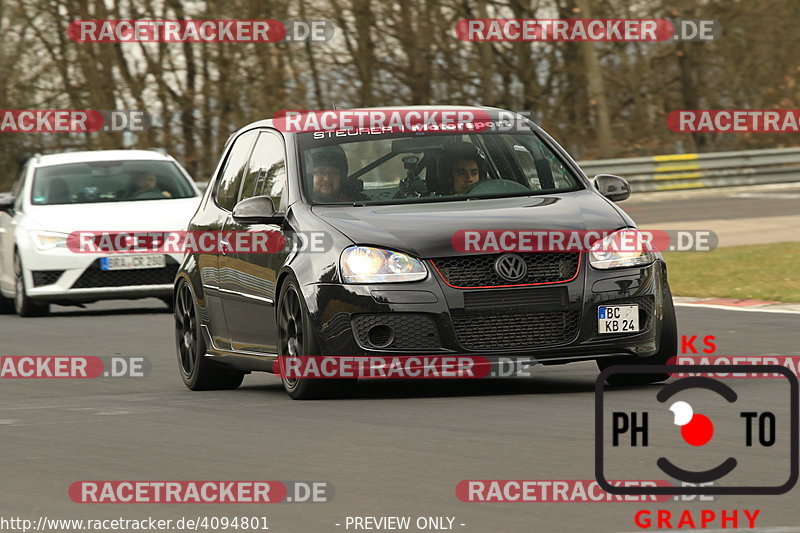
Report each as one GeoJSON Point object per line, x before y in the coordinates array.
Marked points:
{"type": "Point", "coordinates": [552, 323]}
{"type": "Point", "coordinates": [62, 276]}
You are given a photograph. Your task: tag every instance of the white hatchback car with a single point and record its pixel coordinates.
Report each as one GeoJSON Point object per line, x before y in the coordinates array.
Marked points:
{"type": "Point", "coordinates": [105, 190]}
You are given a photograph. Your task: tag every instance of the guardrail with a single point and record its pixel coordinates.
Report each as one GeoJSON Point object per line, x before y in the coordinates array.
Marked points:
{"type": "Point", "coordinates": [694, 171]}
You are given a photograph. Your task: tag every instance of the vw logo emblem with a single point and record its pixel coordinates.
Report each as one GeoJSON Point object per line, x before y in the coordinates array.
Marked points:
{"type": "Point", "coordinates": [510, 267]}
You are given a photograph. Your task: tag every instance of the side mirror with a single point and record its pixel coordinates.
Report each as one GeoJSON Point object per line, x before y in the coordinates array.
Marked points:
{"type": "Point", "coordinates": [7, 202]}
{"type": "Point", "coordinates": [256, 210]}
{"type": "Point", "coordinates": [612, 187]}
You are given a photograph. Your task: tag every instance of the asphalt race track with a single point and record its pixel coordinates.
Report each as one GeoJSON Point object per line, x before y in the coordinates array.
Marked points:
{"type": "Point", "coordinates": [397, 448]}
{"type": "Point", "coordinates": [722, 203]}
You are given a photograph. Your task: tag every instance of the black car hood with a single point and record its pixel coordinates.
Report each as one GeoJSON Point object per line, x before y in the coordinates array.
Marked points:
{"type": "Point", "coordinates": [426, 229]}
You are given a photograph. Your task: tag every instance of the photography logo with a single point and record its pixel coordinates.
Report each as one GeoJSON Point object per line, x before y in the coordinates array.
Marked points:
{"type": "Point", "coordinates": [741, 435]}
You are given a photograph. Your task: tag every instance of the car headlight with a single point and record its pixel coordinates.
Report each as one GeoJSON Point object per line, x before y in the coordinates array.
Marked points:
{"type": "Point", "coordinates": [45, 240]}
{"type": "Point", "coordinates": [623, 248]}
{"type": "Point", "coordinates": [364, 264]}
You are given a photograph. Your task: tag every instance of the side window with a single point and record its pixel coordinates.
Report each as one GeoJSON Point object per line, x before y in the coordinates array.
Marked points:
{"type": "Point", "coordinates": [539, 164]}
{"type": "Point", "coordinates": [266, 173]}
{"type": "Point", "coordinates": [227, 188]}
{"type": "Point", "coordinates": [527, 165]}
{"type": "Point", "coordinates": [561, 175]}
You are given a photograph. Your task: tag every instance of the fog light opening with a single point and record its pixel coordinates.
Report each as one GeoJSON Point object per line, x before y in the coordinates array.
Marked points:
{"type": "Point", "coordinates": [380, 336]}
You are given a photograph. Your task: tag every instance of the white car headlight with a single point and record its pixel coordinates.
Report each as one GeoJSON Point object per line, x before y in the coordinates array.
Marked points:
{"type": "Point", "coordinates": [45, 240]}
{"type": "Point", "coordinates": [364, 264]}
{"type": "Point", "coordinates": [623, 248]}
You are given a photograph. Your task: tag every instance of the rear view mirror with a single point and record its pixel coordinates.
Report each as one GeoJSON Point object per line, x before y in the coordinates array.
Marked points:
{"type": "Point", "coordinates": [612, 187]}
{"type": "Point", "coordinates": [256, 210]}
{"type": "Point", "coordinates": [416, 145]}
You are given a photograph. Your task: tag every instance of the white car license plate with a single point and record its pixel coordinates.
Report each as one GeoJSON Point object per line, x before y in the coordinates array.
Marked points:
{"type": "Point", "coordinates": [132, 262]}
{"type": "Point", "coordinates": [617, 318]}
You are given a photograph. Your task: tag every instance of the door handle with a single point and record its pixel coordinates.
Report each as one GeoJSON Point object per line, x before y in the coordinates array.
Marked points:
{"type": "Point", "coordinates": [224, 247]}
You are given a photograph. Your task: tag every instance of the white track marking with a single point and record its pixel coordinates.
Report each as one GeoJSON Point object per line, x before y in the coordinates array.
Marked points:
{"type": "Point", "coordinates": [747, 309]}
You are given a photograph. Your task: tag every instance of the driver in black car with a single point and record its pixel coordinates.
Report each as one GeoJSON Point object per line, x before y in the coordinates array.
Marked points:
{"type": "Point", "coordinates": [329, 175]}
{"type": "Point", "coordinates": [465, 169]}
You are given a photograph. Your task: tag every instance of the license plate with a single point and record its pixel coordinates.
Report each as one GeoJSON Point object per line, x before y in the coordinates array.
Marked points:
{"type": "Point", "coordinates": [617, 318]}
{"type": "Point", "coordinates": [132, 262]}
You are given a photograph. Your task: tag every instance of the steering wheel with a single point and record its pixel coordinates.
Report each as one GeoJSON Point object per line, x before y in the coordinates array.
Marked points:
{"type": "Point", "coordinates": [147, 194]}
{"type": "Point", "coordinates": [402, 194]}
{"type": "Point", "coordinates": [495, 186]}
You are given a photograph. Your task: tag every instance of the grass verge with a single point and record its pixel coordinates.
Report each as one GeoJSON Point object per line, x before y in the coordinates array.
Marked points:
{"type": "Point", "coordinates": [762, 272]}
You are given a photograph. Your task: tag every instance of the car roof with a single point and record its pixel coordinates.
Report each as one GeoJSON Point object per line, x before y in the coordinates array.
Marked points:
{"type": "Point", "coordinates": [269, 123]}
{"type": "Point", "coordinates": [99, 155]}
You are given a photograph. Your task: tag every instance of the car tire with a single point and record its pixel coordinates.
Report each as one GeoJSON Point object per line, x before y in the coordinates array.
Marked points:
{"type": "Point", "coordinates": [23, 305]}
{"type": "Point", "coordinates": [197, 371]}
{"type": "Point", "coordinates": [296, 338]}
{"type": "Point", "coordinates": [6, 305]}
{"type": "Point", "coordinates": [667, 348]}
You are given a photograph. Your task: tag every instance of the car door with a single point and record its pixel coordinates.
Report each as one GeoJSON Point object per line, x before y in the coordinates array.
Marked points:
{"type": "Point", "coordinates": [249, 282]}
{"type": "Point", "coordinates": [212, 219]}
{"type": "Point", "coordinates": [8, 225]}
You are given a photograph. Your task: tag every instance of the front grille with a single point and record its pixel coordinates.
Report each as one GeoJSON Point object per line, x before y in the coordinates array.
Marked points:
{"type": "Point", "coordinates": [471, 271]}
{"type": "Point", "coordinates": [94, 277]}
{"type": "Point", "coordinates": [45, 277]}
{"type": "Point", "coordinates": [411, 331]}
{"type": "Point", "coordinates": [531, 299]}
{"type": "Point", "coordinates": [501, 331]}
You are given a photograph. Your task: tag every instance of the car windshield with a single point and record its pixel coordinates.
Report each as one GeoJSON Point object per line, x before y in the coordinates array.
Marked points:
{"type": "Point", "coordinates": [394, 168]}
{"type": "Point", "coordinates": [109, 181]}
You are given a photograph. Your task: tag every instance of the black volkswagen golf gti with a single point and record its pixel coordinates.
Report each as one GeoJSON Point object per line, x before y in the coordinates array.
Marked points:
{"type": "Point", "coordinates": [387, 279]}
